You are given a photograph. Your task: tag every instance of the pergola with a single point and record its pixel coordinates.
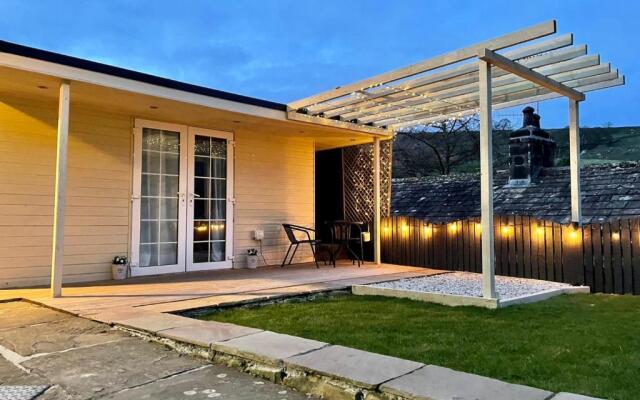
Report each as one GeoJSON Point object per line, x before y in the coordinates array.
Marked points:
{"type": "Point", "coordinates": [469, 81]}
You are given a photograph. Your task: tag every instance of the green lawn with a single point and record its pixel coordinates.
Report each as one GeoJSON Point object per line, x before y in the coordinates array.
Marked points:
{"type": "Point", "coordinates": [587, 344]}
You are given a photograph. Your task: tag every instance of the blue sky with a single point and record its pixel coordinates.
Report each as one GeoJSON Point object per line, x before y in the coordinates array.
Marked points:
{"type": "Point", "coordinates": [285, 50]}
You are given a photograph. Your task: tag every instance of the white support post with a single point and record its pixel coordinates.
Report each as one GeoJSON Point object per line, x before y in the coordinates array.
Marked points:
{"type": "Point", "coordinates": [574, 160]}
{"type": "Point", "coordinates": [60, 193]}
{"type": "Point", "coordinates": [486, 182]}
{"type": "Point", "coordinates": [376, 201]}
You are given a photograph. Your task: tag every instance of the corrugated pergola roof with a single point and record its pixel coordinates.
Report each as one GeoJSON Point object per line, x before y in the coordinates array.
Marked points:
{"type": "Point", "coordinates": [447, 86]}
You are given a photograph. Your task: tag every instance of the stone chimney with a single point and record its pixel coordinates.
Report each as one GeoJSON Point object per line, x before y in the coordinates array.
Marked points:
{"type": "Point", "coordinates": [531, 149]}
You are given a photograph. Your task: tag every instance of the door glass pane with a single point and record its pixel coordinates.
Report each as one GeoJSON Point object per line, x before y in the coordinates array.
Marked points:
{"type": "Point", "coordinates": [171, 163]}
{"type": "Point", "coordinates": [201, 187]}
{"type": "Point", "coordinates": [210, 208]}
{"type": "Point", "coordinates": [202, 167]}
{"type": "Point", "coordinates": [159, 197]}
{"type": "Point", "coordinates": [217, 251]}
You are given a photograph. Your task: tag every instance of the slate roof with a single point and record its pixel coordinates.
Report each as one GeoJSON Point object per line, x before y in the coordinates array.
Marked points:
{"type": "Point", "coordinates": [609, 192]}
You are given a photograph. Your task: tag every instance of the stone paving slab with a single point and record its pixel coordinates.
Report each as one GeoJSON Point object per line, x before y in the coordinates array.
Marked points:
{"type": "Point", "coordinates": [362, 368]}
{"type": "Point", "coordinates": [205, 333]}
{"type": "Point", "coordinates": [99, 370]}
{"type": "Point", "coordinates": [58, 335]}
{"type": "Point", "coordinates": [155, 322]}
{"type": "Point", "coordinates": [212, 381]}
{"type": "Point", "coordinates": [438, 383]}
{"type": "Point", "coordinates": [268, 347]}
{"type": "Point", "coordinates": [22, 313]}
{"type": "Point", "coordinates": [571, 396]}
{"type": "Point", "coordinates": [110, 315]}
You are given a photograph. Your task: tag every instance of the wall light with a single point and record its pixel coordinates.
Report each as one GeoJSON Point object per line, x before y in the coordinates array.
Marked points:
{"type": "Point", "coordinates": [478, 227]}
{"type": "Point", "coordinates": [615, 236]}
{"type": "Point", "coordinates": [386, 229]}
{"type": "Point", "coordinates": [540, 231]}
{"type": "Point", "coordinates": [506, 230]}
{"type": "Point", "coordinates": [453, 227]}
{"type": "Point", "coordinates": [405, 228]}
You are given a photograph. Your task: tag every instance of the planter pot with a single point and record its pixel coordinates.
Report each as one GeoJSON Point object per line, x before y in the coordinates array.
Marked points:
{"type": "Point", "coordinates": [119, 271]}
{"type": "Point", "coordinates": [252, 262]}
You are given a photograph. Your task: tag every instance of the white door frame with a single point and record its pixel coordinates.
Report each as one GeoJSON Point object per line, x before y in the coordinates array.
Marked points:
{"type": "Point", "coordinates": [136, 270]}
{"type": "Point", "coordinates": [185, 196]}
{"type": "Point", "coordinates": [228, 262]}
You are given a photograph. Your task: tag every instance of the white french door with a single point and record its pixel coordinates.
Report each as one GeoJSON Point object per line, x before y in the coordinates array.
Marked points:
{"type": "Point", "coordinates": [182, 202]}
{"type": "Point", "coordinates": [210, 200]}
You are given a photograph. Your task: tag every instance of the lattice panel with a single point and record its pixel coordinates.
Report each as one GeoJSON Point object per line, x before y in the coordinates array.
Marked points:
{"type": "Point", "coordinates": [357, 164]}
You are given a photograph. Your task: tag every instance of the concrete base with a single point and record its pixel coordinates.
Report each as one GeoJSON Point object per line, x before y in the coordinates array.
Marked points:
{"type": "Point", "coordinates": [457, 300]}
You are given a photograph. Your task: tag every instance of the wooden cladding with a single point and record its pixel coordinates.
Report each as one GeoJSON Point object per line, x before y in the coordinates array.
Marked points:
{"type": "Point", "coordinates": [604, 256]}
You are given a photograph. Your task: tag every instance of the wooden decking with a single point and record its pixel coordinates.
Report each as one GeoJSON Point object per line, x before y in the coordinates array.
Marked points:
{"type": "Point", "coordinates": [172, 293]}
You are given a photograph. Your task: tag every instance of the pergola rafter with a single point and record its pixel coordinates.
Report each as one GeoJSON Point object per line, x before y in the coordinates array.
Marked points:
{"type": "Point", "coordinates": [447, 86]}
{"type": "Point", "coordinates": [503, 72]}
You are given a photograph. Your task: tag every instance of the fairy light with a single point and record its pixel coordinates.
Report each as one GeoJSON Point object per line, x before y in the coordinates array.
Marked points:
{"type": "Point", "coordinates": [428, 230]}
{"type": "Point", "coordinates": [405, 228]}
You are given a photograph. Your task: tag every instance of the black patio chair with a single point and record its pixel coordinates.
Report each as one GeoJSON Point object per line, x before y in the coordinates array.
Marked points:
{"type": "Point", "coordinates": [344, 234]}
{"type": "Point", "coordinates": [291, 230]}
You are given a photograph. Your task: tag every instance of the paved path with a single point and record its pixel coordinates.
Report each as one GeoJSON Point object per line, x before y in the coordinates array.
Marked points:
{"type": "Point", "coordinates": [81, 359]}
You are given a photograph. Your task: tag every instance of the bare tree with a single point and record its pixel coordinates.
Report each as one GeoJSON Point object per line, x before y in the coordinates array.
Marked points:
{"type": "Point", "coordinates": [449, 144]}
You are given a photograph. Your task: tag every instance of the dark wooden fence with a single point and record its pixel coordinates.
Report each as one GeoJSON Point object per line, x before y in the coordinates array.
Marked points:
{"type": "Point", "coordinates": [604, 256]}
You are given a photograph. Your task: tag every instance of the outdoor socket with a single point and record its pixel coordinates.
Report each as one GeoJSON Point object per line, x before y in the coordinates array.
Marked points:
{"type": "Point", "coordinates": [258, 234]}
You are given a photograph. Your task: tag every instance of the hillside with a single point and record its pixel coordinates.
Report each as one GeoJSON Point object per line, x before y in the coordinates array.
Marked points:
{"type": "Point", "coordinates": [598, 145]}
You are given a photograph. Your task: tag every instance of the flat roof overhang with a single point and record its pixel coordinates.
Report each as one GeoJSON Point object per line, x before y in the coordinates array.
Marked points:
{"type": "Point", "coordinates": [38, 74]}
{"type": "Point", "coordinates": [445, 87]}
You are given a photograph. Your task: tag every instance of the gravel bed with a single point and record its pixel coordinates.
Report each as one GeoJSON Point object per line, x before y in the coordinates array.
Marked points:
{"type": "Point", "coordinates": [470, 284]}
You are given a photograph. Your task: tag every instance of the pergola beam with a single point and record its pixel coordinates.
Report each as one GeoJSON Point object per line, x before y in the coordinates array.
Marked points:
{"type": "Point", "coordinates": [503, 94]}
{"type": "Point", "coordinates": [528, 74]}
{"type": "Point", "coordinates": [374, 130]}
{"type": "Point", "coordinates": [60, 193]}
{"type": "Point", "coordinates": [568, 59]}
{"type": "Point", "coordinates": [548, 47]}
{"type": "Point", "coordinates": [512, 99]}
{"type": "Point", "coordinates": [513, 103]}
{"type": "Point", "coordinates": [505, 84]}
{"type": "Point", "coordinates": [524, 35]}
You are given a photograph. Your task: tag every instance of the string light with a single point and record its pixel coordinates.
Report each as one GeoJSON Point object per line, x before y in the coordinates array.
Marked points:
{"type": "Point", "coordinates": [428, 230]}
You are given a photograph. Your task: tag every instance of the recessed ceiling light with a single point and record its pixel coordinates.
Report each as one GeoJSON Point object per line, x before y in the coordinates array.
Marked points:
{"type": "Point", "coordinates": [43, 87]}
{"type": "Point", "coordinates": [153, 107]}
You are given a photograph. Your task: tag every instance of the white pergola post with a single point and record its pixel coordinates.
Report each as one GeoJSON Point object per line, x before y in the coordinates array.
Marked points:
{"type": "Point", "coordinates": [376, 201]}
{"type": "Point", "coordinates": [574, 160]}
{"type": "Point", "coordinates": [486, 182]}
{"type": "Point", "coordinates": [60, 193]}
